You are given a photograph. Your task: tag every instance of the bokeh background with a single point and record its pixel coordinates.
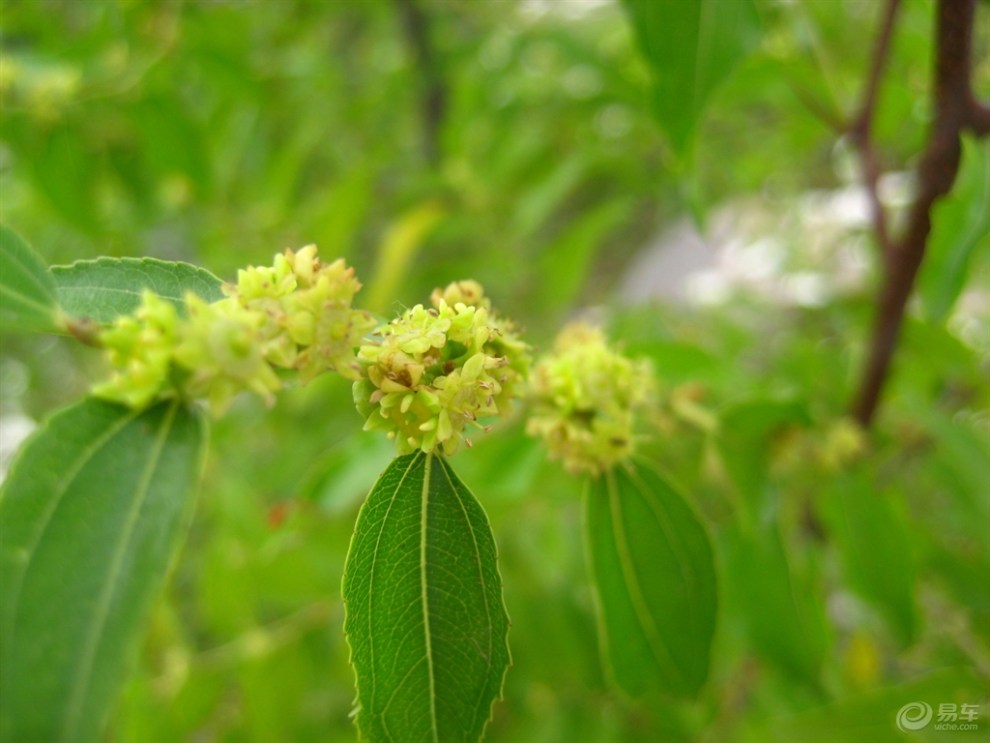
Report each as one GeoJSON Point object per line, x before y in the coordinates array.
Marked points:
{"type": "Point", "coordinates": [515, 142]}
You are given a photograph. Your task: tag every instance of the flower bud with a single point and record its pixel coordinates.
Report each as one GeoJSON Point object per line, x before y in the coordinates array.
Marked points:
{"type": "Point", "coordinates": [467, 292]}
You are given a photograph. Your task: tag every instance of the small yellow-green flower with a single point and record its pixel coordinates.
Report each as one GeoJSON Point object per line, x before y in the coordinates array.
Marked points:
{"type": "Point", "coordinates": [140, 348]}
{"type": "Point", "coordinates": [431, 372]}
{"type": "Point", "coordinates": [843, 443]}
{"type": "Point", "coordinates": [468, 292]}
{"type": "Point", "coordinates": [586, 397]}
{"type": "Point", "coordinates": [294, 315]}
{"type": "Point", "coordinates": [222, 350]}
{"type": "Point", "coordinates": [310, 325]}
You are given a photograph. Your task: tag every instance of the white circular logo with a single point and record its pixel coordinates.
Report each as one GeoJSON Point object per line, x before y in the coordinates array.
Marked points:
{"type": "Point", "coordinates": [914, 716]}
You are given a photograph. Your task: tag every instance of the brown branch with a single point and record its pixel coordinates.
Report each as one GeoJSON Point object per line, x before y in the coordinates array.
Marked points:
{"type": "Point", "coordinates": [936, 173]}
{"type": "Point", "coordinates": [978, 118]}
{"type": "Point", "coordinates": [861, 128]}
{"type": "Point", "coordinates": [415, 24]}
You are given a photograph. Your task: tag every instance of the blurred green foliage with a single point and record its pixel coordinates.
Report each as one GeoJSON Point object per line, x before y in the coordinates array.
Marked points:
{"type": "Point", "coordinates": [217, 132]}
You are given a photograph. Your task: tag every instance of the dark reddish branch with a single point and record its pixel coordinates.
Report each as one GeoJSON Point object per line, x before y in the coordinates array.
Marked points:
{"type": "Point", "coordinates": [861, 129]}
{"type": "Point", "coordinates": [416, 27]}
{"type": "Point", "coordinates": [953, 113]}
{"type": "Point", "coordinates": [978, 120]}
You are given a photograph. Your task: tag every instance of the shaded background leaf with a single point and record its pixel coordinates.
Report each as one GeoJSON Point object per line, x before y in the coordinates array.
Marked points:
{"type": "Point", "coordinates": [872, 717]}
{"type": "Point", "coordinates": [654, 574]}
{"type": "Point", "coordinates": [774, 603]}
{"type": "Point", "coordinates": [691, 47]}
{"type": "Point", "coordinates": [960, 227]}
{"type": "Point", "coordinates": [875, 548]}
{"type": "Point", "coordinates": [26, 290]}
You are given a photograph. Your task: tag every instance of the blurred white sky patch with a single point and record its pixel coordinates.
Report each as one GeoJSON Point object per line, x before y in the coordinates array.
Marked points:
{"type": "Point", "coordinates": [14, 428]}
{"type": "Point", "coordinates": [567, 8]}
{"type": "Point", "coordinates": [14, 425]}
{"type": "Point", "coordinates": [800, 253]}
{"type": "Point", "coordinates": [970, 320]}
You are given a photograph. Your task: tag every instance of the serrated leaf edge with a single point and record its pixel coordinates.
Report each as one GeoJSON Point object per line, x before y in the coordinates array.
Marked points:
{"type": "Point", "coordinates": [135, 263]}
{"type": "Point", "coordinates": [500, 695]}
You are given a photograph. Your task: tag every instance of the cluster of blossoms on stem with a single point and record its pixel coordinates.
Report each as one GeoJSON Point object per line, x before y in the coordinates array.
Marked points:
{"type": "Point", "coordinates": [293, 315]}
{"type": "Point", "coordinates": [586, 397]}
{"type": "Point", "coordinates": [433, 371]}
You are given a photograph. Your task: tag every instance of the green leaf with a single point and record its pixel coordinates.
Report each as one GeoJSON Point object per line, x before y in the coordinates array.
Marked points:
{"type": "Point", "coordinates": [65, 171]}
{"type": "Point", "coordinates": [871, 716]}
{"type": "Point", "coordinates": [748, 432]}
{"type": "Point", "coordinates": [172, 141]}
{"type": "Point", "coordinates": [691, 46]}
{"type": "Point", "coordinates": [92, 513]}
{"type": "Point", "coordinates": [538, 202]}
{"type": "Point", "coordinates": [340, 481]}
{"type": "Point", "coordinates": [566, 261]}
{"type": "Point", "coordinates": [654, 573]}
{"type": "Point", "coordinates": [774, 603]}
{"type": "Point", "coordinates": [875, 546]}
{"type": "Point", "coordinates": [27, 294]}
{"type": "Point", "coordinates": [104, 288]}
{"type": "Point", "coordinates": [425, 618]}
{"type": "Point", "coordinates": [960, 226]}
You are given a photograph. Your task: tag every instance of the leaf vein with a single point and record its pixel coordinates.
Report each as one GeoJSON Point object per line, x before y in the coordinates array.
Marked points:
{"type": "Point", "coordinates": [65, 483]}
{"type": "Point", "coordinates": [481, 576]}
{"type": "Point", "coordinates": [74, 707]}
{"type": "Point", "coordinates": [424, 516]}
{"type": "Point", "coordinates": [371, 574]}
{"type": "Point", "coordinates": [655, 641]}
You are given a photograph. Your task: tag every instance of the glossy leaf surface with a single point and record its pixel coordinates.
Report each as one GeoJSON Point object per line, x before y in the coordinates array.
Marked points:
{"type": "Point", "coordinates": [654, 573]}
{"type": "Point", "coordinates": [425, 618]}
{"type": "Point", "coordinates": [104, 288]}
{"type": "Point", "coordinates": [92, 514]}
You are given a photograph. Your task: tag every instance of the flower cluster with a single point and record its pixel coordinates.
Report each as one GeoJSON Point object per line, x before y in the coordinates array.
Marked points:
{"type": "Point", "coordinates": [585, 399]}
{"type": "Point", "coordinates": [308, 323]}
{"type": "Point", "coordinates": [431, 372]}
{"type": "Point", "coordinates": [295, 314]}
{"type": "Point", "coordinates": [140, 348]}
